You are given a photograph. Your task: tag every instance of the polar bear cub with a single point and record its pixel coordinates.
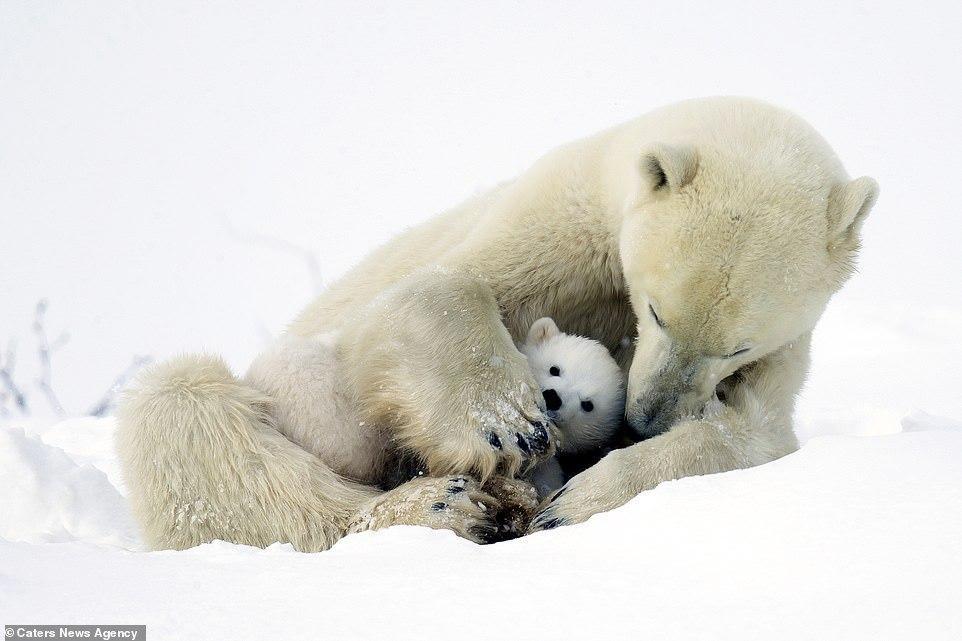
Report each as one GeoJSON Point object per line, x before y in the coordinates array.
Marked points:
{"type": "Point", "coordinates": [583, 390]}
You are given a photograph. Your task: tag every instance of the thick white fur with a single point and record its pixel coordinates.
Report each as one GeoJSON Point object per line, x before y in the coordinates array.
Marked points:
{"type": "Point", "coordinates": [211, 461]}
{"type": "Point", "coordinates": [731, 218]}
{"type": "Point", "coordinates": [203, 460]}
{"type": "Point", "coordinates": [585, 372]}
{"type": "Point", "coordinates": [317, 409]}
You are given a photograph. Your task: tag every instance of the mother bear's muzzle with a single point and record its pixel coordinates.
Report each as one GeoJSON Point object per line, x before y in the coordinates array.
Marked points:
{"type": "Point", "coordinates": [660, 396]}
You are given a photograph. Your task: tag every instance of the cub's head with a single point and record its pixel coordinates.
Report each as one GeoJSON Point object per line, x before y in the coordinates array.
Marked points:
{"type": "Point", "coordinates": [583, 386]}
{"type": "Point", "coordinates": [729, 256]}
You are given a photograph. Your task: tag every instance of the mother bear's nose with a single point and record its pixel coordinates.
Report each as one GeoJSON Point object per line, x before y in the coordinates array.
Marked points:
{"type": "Point", "coordinates": [552, 399]}
{"type": "Point", "coordinates": [650, 417]}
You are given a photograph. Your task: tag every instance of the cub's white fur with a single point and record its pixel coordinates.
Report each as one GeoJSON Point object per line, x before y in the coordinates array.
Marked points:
{"type": "Point", "coordinates": [710, 234]}
{"type": "Point", "coordinates": [584, 391]}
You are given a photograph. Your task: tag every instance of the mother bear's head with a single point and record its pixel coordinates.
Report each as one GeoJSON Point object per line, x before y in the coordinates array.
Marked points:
{"type": "Point", "coordinates": [731, 250]}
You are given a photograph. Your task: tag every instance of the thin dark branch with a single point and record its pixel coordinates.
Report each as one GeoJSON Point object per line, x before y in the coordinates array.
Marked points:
{"type": "Point", "coordinates": [44, 351]}
{"type": "Point", "coordinates": [9, 390]}
{"type": "Point", "coordinates": [109, 399]}
{"type": "Point", "coordinates": [12, 391]}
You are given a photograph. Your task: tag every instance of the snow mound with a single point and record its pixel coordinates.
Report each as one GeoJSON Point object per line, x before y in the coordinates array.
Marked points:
{"type": "Point", "coordinates": [919, 421]}
{"type": "Point", "coordinates": [48, 497]}
{"type": "Point", "coordinates": [86, 440]}
{"type": "Point", "coordinates": [850, 537]}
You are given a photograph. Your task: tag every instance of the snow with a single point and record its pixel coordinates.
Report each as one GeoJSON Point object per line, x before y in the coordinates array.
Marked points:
{"type": "Point", "coordinates": [159, 158]}
{"type": "Point", "coordinates": [49, 497]}
{"type": "Point", "coordinates": [850, 537]}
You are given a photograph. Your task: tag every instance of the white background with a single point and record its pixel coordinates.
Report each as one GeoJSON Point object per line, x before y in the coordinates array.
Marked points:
{"type": "Point", "coordinates": [134, 136]}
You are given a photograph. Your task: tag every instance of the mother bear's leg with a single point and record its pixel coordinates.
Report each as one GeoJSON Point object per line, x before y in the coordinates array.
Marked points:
{"type": "Point", "coordinates": [431, 359]}
{"type": "Point", "coordinates": [753, 427]}
{"type": "Point", "coordinates": [203, 460]}
{"type": "Point", "coordinates": [317, 409]}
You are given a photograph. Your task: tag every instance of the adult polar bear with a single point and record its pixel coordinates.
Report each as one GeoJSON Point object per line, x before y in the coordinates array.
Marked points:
{"type": "Point", "coordinates": [713, 230]}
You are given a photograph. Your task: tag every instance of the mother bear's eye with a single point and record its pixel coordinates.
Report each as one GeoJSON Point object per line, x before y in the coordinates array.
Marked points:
{"type": "Point", "coordinates": [587, 406]}
{"type": "Point", "coordinates": [554, 370]}
{"type": "Point", "coordinates": [655, 316]}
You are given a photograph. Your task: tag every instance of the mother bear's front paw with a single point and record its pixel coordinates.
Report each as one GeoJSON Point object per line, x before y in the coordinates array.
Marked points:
{"type": "Point", "coordinates": [600, 488]}
{"type": "Point", "coordinates": [517, 439]}
{"type": "Point", "coordinates": [493, 437]}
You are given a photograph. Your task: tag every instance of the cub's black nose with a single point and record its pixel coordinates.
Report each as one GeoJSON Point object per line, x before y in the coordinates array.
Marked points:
{"type": "Point", "coordinates": [552, 399]}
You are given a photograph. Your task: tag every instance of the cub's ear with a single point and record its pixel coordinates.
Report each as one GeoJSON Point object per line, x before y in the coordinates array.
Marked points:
{"type": "Point", "coordinates": [848, 205]}
{"type": "Point", "coordinates": [541, 330]}
{"type": "Point", "coordinates": [668, 167]}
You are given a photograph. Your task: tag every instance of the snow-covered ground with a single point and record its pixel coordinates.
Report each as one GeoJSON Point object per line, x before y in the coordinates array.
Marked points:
{"type": "Point", "coordinates": [849, 538]}
{"type": "Point", "coordinates": [157, 160]}
{"type": "Point", "coordinates": [854, 536]}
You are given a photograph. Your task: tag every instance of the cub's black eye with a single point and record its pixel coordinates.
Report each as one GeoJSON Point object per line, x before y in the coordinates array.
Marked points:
{"type": "Point", "coordinates": [655, 316]}
{"type": "Point", "coordinates": [554, 370]}
{"type": "Point", "coordinates": [587, 406]}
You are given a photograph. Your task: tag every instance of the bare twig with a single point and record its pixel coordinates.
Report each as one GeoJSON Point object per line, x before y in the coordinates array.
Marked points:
{"type": "Point", "coordinates": [11, 390]}
{"type": "Point", "coordinates": [109, 399]}
{"type": "Point", "coordinates": [44, 351]}
{"type": "Point", "coordinates": [309, 256]}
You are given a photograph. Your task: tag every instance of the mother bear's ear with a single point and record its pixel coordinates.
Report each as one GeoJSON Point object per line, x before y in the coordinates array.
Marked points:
{"type": "Point", "coordinates": [848, 205]}
{"type": "Point", "coordinates": [668, 168]}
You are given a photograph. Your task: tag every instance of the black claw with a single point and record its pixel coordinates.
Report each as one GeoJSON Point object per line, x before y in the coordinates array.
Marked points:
{"type": "Point", "coordinates": [485, 533]}
{"type": "Point", "coordinates": [552, 524]}
{"type": "Point", "coordinates": [543, 518]}
{"type": "Point", "coordinates": [558, 494]}
{"type": "Point", "coordinates": [494, 440]}
{"type": "Point", "coordinates": [507, 532]}
{"type": "Point", "coordinates": [455, 489]}
{"type": "Point", "coordinates": [437, 507]}
{"type": "Point", "coordinates": [523, 444]}
{"type": "Point", "coordinates": [540, 439]}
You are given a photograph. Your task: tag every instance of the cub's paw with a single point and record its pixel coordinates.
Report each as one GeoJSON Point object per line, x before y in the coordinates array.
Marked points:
{"type": "Point", "coordinates": [598, 489]}
{"type": "Point", "coordinates": [455, 503]}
